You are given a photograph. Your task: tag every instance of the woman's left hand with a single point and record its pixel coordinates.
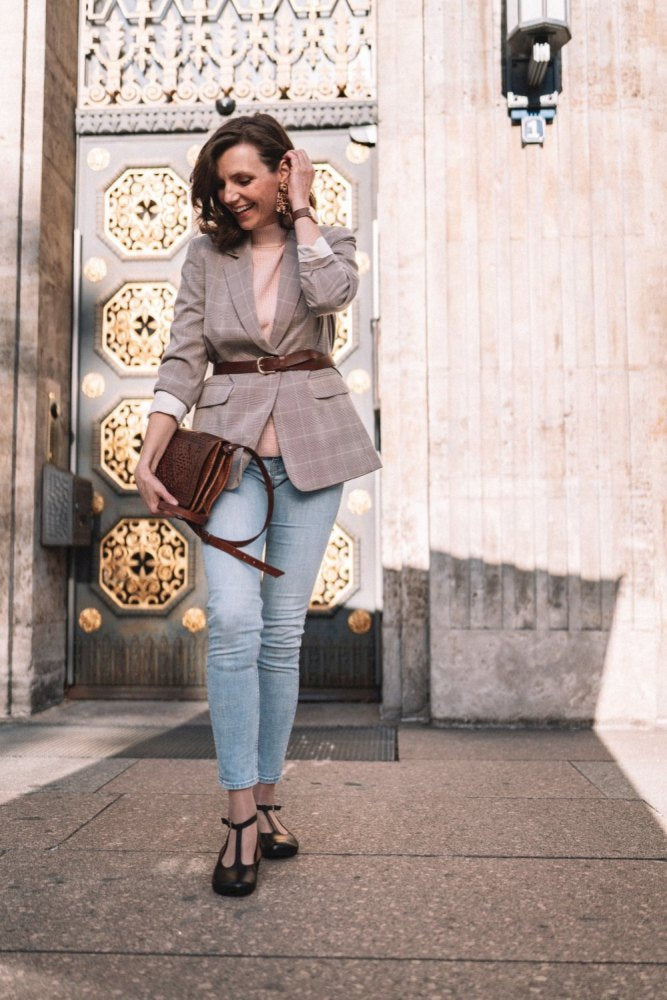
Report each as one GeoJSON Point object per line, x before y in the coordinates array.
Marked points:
{"type": "Point", "coordinates": [301, 177]}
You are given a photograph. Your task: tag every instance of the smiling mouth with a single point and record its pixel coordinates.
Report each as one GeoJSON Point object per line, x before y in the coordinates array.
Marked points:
{"type": "Point", "coordinates": [240, 212]}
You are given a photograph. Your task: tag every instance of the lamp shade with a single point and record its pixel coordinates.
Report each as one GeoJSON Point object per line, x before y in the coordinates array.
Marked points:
{"type": "Point", "coordinates": [543, 20]}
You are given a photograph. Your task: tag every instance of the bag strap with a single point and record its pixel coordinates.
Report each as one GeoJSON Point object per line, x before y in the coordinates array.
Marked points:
{"type": "Point", "coordinates": [220, 543]}
{"type": "Point", "coordinates": [231, 547]}
{"type": "Point", "coordinates": [269, 493]}
{"type": "Point", "coordinates": [228, 545]}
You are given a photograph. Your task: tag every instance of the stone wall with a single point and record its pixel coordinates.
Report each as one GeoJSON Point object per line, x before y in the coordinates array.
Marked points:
{"type": "Point", "coordinates": [37, 155]}
{"type": "Point", "coordinates": [522, 375]}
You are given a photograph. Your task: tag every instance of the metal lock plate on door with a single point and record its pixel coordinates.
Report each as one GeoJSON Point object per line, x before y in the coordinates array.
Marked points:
{"type": "Point", "coordinates": [67, 516]}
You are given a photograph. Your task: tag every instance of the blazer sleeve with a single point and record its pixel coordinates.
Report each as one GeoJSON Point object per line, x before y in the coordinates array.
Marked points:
{"type": "Point", "coordinates": [183, 366]}
{"type": "Point", "coordinates": [330, 283]}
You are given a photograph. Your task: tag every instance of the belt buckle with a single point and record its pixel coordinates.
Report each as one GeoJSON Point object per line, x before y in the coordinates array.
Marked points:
{"type": "Point", "coordinates": [265, 357]}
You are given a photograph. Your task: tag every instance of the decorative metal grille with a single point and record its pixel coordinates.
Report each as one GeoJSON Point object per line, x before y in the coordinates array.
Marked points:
{"type": "Point", "coordinates": [121, 437]}
{"type": "Point", "coordinates": [135, 325]}
{"type": "Point", "coordinates": [189, 52]}
{"type": "Point", "coordinates": [147, 212]}
{"type": "Point", "coordinates": [143, 563]}
{"type": "Point", "coordinates": [344, 338]}
{"type": "Point", "coordinates": [333, 193]}
{"type": "Point", "coordinates": [335, 581]}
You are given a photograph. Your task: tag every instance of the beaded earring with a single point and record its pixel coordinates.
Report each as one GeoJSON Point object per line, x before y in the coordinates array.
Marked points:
{"type": "Point", "coordinates": [282, 204]}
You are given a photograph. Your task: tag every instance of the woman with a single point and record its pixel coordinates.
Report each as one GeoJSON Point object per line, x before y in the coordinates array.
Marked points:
{"type": "Point", "coordinates": [261, 283]}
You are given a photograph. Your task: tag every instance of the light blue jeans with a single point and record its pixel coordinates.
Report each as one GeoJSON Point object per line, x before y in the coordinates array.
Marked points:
{"type": "Point", "coordinates": [256, 621]}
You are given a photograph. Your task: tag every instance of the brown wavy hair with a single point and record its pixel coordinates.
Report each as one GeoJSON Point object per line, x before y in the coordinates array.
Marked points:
{"type": "Point", "coordinates": [270, 140]}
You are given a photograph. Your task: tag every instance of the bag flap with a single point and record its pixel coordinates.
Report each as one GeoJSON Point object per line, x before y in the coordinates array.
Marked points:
{"type": "Point", "coordinates": [187, 456]}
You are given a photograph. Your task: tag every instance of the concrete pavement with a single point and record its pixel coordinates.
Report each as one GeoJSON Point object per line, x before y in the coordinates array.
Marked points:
{"type": "Point", "coordinates": [493, 863]}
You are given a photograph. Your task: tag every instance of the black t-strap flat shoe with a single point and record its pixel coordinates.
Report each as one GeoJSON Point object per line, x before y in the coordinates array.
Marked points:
{"type": "Point", "coordinates": [236, 879]}
{"type": "Point", "coordinates": [276, 844]}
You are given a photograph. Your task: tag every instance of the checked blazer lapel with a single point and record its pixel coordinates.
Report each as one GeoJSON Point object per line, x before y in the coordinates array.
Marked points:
{"type": "Point", "coordinates": [238, 274]}
{"type": "Point", "coordinates": [289, 290]}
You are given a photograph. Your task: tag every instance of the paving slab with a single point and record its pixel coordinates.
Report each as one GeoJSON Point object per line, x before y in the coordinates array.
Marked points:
{"type": "Point", "coordinates": [418, 742]}
{"type": "Point", "coordinates": [168, 776]}
{"type": "Point", "coordinates": [356, 819]}
{"type": "Point", "coordinates": [189, 823]}
{"type": "Point", "coordinates": [48, 818]}
{"type": "Point", "coordinates": [118, 713]}
{"type": "Point", "coordinates": [650, 744]}
{"type": "Point", "coordinates": [420, 908]}
{"type": "Point", "coordinates": [609, 778]}
{"type": "Point", "coordinates": [22, 775]}
{"type": "Point", "coordinates": [89, 977]}
{"type": "Point", "coordinates": [94, 742]}
{"type": "Point", "coordinates": [642, 757]}
{"type": "Point", "coordinates": [546, 828]}
{"type": "Point", "coordinates": [465, 778]}
{"type": "Point", "coordinates": [176, 713]}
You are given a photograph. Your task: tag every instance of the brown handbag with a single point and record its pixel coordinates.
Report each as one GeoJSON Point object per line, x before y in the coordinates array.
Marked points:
{"type": "Point", "coordinates": [195, 468]}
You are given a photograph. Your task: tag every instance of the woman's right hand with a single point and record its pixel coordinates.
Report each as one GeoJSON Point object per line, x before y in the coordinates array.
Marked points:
{"type": "Point", "coordinates": [161, 427]}
{"type": "Point", "coordinates": [150, 488]}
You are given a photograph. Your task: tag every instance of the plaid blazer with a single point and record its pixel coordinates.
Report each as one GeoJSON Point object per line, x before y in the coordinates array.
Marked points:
{"type": "Point", "coordinates": [322, 438]}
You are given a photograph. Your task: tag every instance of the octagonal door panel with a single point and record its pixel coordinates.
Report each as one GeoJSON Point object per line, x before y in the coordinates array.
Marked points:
{"type": "Point", "coordinates": [139, 596]}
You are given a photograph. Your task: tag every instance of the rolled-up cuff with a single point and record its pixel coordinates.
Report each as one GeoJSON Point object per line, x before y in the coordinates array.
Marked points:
{"type": "Point", "coordinates": [315, 251]}
{"type": "Point", "coordinates": [164, 402]}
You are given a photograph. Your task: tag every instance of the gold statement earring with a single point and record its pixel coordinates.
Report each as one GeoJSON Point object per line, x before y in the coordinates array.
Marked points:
{"type": "Point", "coordinates": [282, 204]}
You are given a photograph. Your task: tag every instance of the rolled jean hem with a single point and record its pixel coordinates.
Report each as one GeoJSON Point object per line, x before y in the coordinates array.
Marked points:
{"type": "Point", "coordinates": [270, 781]}
{"type": "Point", "coordinates": [236, 786]}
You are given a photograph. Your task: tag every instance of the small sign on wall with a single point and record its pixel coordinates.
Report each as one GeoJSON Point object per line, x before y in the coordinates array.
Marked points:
{"type": "Point", "coordinates": [532, 129]}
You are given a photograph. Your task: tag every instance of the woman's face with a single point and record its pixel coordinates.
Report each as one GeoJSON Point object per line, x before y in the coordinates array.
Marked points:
{"type": "Point", "coordinates": [245, 181]}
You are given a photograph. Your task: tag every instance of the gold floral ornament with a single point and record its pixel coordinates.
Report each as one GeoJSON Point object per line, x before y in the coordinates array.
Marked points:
{"type": "Point", "coordinates": [95, 269]}
{"type": "Point", "coordinates": [194, 620]}
{"type": "Point", "coordinates": [93, 385]}
{"type": "Point", "coordinates": [359, 502]}
{"type": "Point", "coordinates": [136, 323]}
{"type": "Point", "coordinates": [344, 336]}
{"type": "Point", "coordinates": [90, 620]}
{"type": "Point", "coordinates": [335, 581]}
{"type": "Point", "coordinates": [147, 212]}
{"type": "Point", "coordinates": [359, 621]}
{"type": "Point", "coordinates": [143, 563]}
{"type": "Point", "coordinates": [98, 158]}
{"type": "Point", "coordinates": [334, 195]}
{"type": "Point", "coordinates": [358, 380]}
{"type": "Point", "coordinates": [97, 504]}
{"type": "Point", "coordinates": [121, 438]}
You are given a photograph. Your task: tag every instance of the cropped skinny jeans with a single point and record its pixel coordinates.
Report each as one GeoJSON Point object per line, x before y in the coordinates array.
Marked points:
{"type": "Point", "coordinates": [256, 621]}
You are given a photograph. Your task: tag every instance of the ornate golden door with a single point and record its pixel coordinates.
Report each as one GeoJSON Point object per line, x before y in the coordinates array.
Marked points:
{"type": "Point", "coordinates": [151, 71]}
{"type": "Point", "coordinates": [140, 592]}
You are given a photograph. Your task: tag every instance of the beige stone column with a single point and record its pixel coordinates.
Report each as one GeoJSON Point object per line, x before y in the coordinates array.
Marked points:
{"type": "Point", "coordinates": [37, 158]}
{"type": "Point", "coordinates": [403, 213]}
{"type": "Point", "coordinates": [522, 371]}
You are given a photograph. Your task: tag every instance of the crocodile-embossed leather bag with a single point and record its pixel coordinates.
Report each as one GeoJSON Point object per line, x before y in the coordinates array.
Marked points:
{"type": "Point", "coordinates": [195, 468]}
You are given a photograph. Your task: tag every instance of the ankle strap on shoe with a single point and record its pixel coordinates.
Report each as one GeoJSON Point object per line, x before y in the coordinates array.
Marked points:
{"type": "Point", "coordinates": [239, 826]}
{"type": "Point", "coordinates": [266, 808]}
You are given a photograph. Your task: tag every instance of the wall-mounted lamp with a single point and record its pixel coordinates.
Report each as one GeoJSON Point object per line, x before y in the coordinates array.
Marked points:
{"type": "Point", "coordinates": [536, 32]}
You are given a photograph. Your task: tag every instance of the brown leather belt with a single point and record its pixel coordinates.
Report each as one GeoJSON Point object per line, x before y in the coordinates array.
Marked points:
{"type": "Point", "coordinates": [271, 363]}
